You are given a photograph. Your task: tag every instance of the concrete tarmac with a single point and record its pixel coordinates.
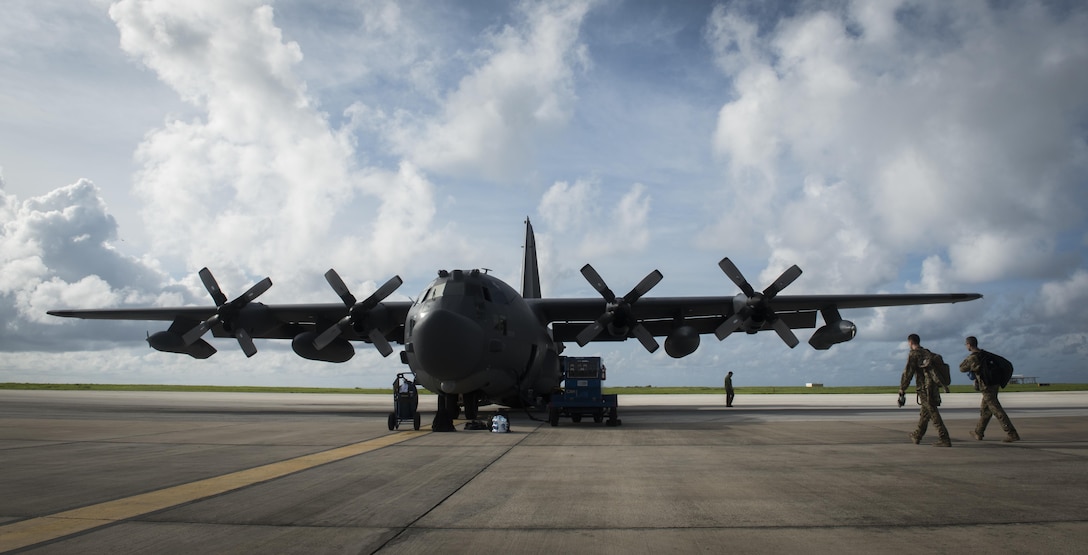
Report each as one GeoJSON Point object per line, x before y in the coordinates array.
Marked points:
{"type": "Point", "coordinates": [135, 472]}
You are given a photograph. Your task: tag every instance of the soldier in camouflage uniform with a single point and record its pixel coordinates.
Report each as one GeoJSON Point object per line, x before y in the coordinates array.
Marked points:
{"type": "Point", "coordinates": [990, 405]}
{"type": "Point", "coordinates": [928, 389]}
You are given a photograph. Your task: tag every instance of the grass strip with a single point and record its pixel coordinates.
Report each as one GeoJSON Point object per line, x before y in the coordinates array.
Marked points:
{"type": "Point", "coordinates": [630, 390]}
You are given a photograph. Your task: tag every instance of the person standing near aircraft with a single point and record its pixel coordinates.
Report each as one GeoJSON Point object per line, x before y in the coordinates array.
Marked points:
{"type": "Point", "coordinates": [928, 389]}
{"type": "Point", "coordinates": [990, 405]}
{"type": "Point", "coordinates": [729, 389]}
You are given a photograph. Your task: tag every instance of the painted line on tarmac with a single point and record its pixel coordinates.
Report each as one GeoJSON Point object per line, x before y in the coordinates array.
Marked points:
{"type": "Point", "coordinates": [42, 529]}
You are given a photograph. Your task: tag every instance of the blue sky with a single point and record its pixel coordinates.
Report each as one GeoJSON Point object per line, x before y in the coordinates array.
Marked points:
{"type": "Point", "coordinates": [884, 147]}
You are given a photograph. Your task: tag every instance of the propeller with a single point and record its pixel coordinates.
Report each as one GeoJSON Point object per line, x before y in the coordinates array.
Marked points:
{"type": "Point", "coordinates": [227, 312]}
{"type": "Point", "coordinates": [618, 316]}
{"type": "Point", "coordinates": [357, 313]}
{"type": "Point", "coordinates": [753, 309]}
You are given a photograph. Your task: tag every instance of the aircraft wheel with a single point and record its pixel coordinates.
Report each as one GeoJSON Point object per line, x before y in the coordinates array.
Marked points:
{"type": "Point", "coordinates": [445, 409]}
{"type": "Point", "coordinates": [576, 418]}
{"type": "Point", "coordinates": [392, 421]}
{"type": "Point", "coordinates": [415, 422]}
{"type": "Point", "coordinates": [553, 415]}
{"type": "Point", "coordinates": [452, 408]}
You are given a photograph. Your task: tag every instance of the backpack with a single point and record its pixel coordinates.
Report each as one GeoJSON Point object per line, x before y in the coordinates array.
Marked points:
{"type": "Point", "coordinates": [940, 369]}
{"type": "Point", "coordinates": [996, 369]}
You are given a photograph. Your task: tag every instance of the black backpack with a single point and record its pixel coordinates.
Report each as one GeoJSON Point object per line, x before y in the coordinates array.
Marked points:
{"type": "Point", "coordinates": [996, 369]}
{"type": "Point", "coordinates": [940, 369]}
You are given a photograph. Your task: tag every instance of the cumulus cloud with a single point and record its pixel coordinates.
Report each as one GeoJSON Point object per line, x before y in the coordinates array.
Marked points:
{"type": "Point", "coordinates": [1065, 298]}
{"type": "Point", "coordinates": [597, 223]}
{"type": "Point", "coordinates": [965, 142]}
{"type": "Point", "coordinates": [402, 228]}
{"type": "Point", "coordinates": [882, 146]}
{"type": "Point", "coordinates": [490, 124]}
{"type": "Point", "coordinates": [56, 251]}
{"type": "Point", "coordinates": [252, 187]}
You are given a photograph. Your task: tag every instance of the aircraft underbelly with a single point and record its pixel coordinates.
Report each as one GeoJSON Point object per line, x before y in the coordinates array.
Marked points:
{"type": "Point", "coordinates": [519, 368]}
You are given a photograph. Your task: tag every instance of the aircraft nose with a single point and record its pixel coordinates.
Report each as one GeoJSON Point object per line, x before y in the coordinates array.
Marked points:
{"type": "Point", "coordinates": [447, 344]}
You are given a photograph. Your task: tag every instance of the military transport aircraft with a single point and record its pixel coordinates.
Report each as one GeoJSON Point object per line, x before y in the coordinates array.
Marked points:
{"type": "Point", "coordinates": [473, 339]}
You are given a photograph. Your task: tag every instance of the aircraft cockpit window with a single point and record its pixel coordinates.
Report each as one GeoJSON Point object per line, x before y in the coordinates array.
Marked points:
{"type": "Point", "coordinates": [473, 290]}
{"type": "Point", "coordinates": [434, 292]}
{"type": "Point", "coordinates": [454, 288]}
{"type": "Point", "coordinates": [495, 295]}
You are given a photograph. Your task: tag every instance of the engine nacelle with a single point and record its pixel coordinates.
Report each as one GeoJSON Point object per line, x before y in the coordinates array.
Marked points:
{"type": "Point", "coordinates": [618, 331]}
{"type": "Point", "coordinates": [171, 342]}
{"type": "Point", "coordinates": [340, 350]}
{"type": "Point", "coordinates": [376, 317]}
{"type": "Point", "coordinates": [831, 334]}
{"type": "Point", "coordinates": [682, 342]}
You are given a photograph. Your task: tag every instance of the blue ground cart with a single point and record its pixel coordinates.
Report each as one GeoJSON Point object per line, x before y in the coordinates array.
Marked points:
{"type": "Point", "coordinates": [582, 395]}
{"type": "Point", "coordinates": [405, 403]}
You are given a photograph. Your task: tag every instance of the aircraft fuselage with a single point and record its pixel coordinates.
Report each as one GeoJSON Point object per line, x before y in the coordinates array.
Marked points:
{"type": "Point", "coordinates": [472, 334]}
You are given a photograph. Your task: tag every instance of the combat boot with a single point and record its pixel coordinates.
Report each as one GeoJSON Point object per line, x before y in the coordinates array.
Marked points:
{"type": "Point", "coordinates": [1013, 436]}
{"type": "Point", "coordinates": [915, 438]}
{"type": "Point", "coordinates": [943, 442]}
{"type": "Point", "coordinates": [976, 435]}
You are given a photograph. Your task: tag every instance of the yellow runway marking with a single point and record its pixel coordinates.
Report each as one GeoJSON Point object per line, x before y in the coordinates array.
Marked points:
{"type": "Point", "coordinates": [36, 530]}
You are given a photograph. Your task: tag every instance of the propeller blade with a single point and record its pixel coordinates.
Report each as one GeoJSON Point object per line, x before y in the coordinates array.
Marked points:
{"type": "Point", "coordinates": [644, 286]}
{"type": "Point", "coordinates": [734, 274]}
{"type": "Point", "coordinates": [246, 342]}
{"type": "Point", "coordinates": [341, 289]}
{"type": "Point", "coordinates": [382, 292]}
{"type": "Point", "coordinates": [757, 306]}
{"type": "Point", "coordinates": [783, 280]}
{"type": "Point", "coordinates": [595, 280]}
{"type": "Point", "coordinates": [645, 337]}
{"type": "Point", "coordinates": [226, 314]}
{"type": "Point", "coordinates": [620, 308]}
{"type": "Point", "coordinates": [357, 312]}
{"type": "Point", "coordinates": [212, 286]}
{"type": "Point", "coordinates": [330, 335]}
{"type": "Point", "coordinates": [379, 341]}
{"type": "Point", "coordinates": [196, 333]}
{"type": "Point", "coordinates": [785, 332]}
{"type": "Point", "coordinates": [256, 291]}
{"type": "Point", "coordinates": [729, 326]}
{"type": "Point", "coordinates": [593, 330]}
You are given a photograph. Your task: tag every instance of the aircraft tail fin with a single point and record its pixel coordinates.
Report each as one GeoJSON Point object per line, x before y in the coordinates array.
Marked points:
{"type": "Point", "coordinates": [530, 271]}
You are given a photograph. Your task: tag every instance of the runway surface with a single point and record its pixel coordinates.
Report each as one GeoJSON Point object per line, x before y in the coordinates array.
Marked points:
{"type": "Point", "coordinates": [132, 472]}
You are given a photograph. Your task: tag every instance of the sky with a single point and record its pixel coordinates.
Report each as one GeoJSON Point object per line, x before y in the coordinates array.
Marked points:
{"type": "Point", "coordinates": [894, 146]}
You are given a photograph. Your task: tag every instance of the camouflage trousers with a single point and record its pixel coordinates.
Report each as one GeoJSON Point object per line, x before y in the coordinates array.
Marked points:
{"type": "Point", "coordinates": [992, 407]}
{"type": "Point", "coordinates": [928, 412]}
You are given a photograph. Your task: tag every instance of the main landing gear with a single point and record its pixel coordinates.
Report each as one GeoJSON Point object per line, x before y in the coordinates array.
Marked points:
{"type": "Point", "coordinates": [447, 411]}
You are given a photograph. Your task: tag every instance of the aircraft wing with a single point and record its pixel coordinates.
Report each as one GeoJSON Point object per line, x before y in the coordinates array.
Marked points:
{"type": "Point", "coordinates": [201, 312]}
{"type": "Point", "coordinates": [318, 331]}
{"type": "Point", "coordinates": [587, 309]}
{"type": "Point", "coordinates": [680, 318]}
{"type": "Point", "coordinates": [306, 324]}
{"type": "Point", "coordinates": [264, 321]}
